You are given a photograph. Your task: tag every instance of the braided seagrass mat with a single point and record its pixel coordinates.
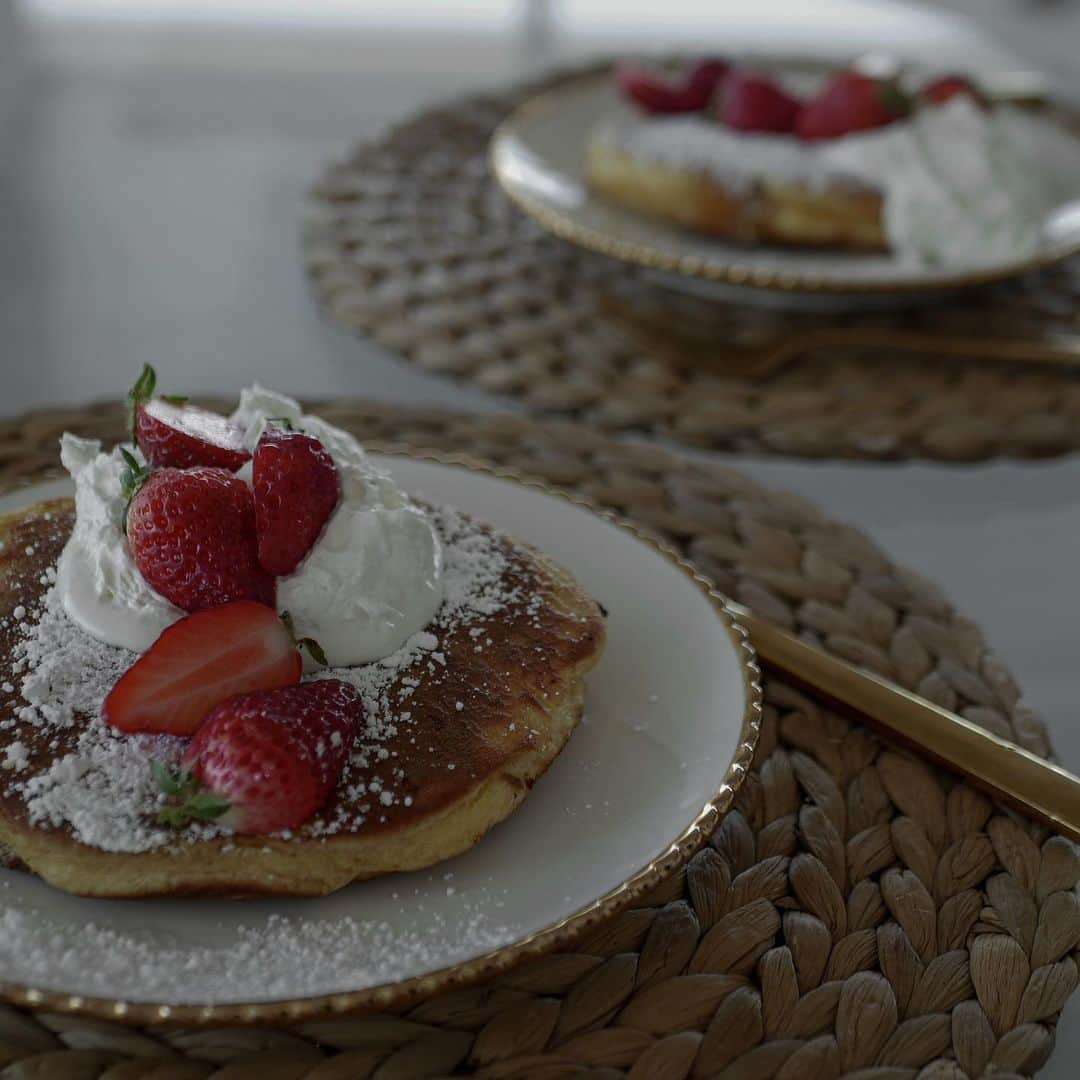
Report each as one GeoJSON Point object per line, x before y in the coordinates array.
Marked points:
{"type": "Point", "coordinates": [410, 241]}
{"type": "Point", "coordinates": [859, 913]}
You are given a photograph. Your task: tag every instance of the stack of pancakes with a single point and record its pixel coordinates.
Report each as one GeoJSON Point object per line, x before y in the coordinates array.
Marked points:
{"type": "Point", "coordinates": [477, 739]}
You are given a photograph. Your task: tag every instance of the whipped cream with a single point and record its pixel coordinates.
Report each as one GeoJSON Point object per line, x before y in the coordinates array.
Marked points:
{"type": "Point", "coordinates": [372, 579]}
{"type": "Point", "coordinates": [103, 590]}
{"type": "Point", "coordinates": [961, 186]}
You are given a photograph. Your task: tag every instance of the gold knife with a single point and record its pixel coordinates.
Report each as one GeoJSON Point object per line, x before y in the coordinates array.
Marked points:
{"type": "Point", "coordinates": [1009, 773]}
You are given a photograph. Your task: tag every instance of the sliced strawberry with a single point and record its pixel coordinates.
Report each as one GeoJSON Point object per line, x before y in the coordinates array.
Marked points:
{"type": "Point", "coordinates": [851, 101]}
{"type": "Point", "coordinates": [170, 432]}
{"type": "Point", "coordinates": [266, 761]}
{"type": "Point", "coordinates": [200, 661]}
{"type": "Point", "coordinates": [657, 93]}
{"type": "Point", "coordinates": [296, 487]}
{"type": "Point", "coordinates": [751, 101]}
{"type": "Point", "coordinates": [945, 88]}
{"type": "Point", "coordinates": [185, 435]}
{"type": "Point", "coordinates": [192, 535]}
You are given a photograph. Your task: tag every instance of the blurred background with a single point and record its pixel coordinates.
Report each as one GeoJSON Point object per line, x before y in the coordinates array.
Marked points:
{"type": "Point", "coordinates": [154, 153]}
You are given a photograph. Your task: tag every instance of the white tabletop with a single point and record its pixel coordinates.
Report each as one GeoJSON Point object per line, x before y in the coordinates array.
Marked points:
{"type": "Point", "coordinates": [149, 195]}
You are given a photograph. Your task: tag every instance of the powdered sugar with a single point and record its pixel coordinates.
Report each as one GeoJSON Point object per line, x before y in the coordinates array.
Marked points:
{"type": "Point", "coordinates": [99, 783]}
{"type": "Point", "coordinates": [273, 957]}
{"type": "Point", "coordinates": [66, 672]}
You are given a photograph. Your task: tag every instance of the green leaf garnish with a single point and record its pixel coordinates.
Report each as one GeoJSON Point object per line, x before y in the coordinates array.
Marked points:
{"type": "Point", "coordinates": [175, 399]}
{"type": "Point", "coordinates": [202, 806]}
{"type": "Point", "coordinates": [893, 97]}
{"type": "Point", "coordinates": [141, 392]}
{"type": "Point", "coordinates": [177, 783]}
{"type": "Point", "coordinates": [196, 803]}
{"type": "Point", "coordinates": [315, 650]}
{"type": "Point", "coordinates": [132, 478]}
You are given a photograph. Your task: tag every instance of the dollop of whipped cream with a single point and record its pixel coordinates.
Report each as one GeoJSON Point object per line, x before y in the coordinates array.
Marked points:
{"type": "Point", "coordinates": [962, 186]}
{"type": "Point", "coordinates": [372, 579]}
{"type": "Point", "coordinates": [102, 588]}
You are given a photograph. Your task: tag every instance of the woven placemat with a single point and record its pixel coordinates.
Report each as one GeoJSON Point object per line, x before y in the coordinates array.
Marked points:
{"type": "Point", "coordinates": [858, 914]}
{"type": "Point", "coordinates": [411, 242]}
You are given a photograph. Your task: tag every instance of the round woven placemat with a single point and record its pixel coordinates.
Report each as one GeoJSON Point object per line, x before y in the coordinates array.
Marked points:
{"type": "Point", "coordinates": [410, 241]}
{"type": "Point", "coordinates": [860, 913]}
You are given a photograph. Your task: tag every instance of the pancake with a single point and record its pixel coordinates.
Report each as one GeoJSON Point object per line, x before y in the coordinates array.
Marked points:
{"type": "Point", "coordinates": [460, 724]}
{"type": "Point", "coordinates": [774, 210]}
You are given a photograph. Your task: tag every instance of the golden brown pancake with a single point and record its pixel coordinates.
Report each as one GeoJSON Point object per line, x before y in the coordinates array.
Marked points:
{"type": "Point", "coordinates": [778, 211]}
{"type": "Point", "coordinates": [476, 721]}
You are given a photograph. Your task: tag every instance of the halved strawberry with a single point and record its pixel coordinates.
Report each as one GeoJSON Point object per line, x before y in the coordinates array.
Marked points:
{"type": "Point", "coordinates": [296, 487]}
{"type": "Point", "coordinates": [267, 760]}
{"type": "Point", "coordinates": [658, 93]}
{"type": "Point", "coordinates": [200, 661]}
{"type": "Point", "coordinates": [169, 432]}
{"type": "Point", "coordinates": [851, 101]}
{"type": "Point", "coordinates": [753, 101]}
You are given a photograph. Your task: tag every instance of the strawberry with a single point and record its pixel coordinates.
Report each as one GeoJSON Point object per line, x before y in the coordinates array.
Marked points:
{"type": "Point", "coordinates": [266, 761]}
{"type": "Point", "coordinates": [200, 661]}
{"type": "Point", "coordinates": [657, 93]}
{"type": "Point", "coordinates": [945, 88]}
{"type": "Point", "coordinates": [192, 535]}
{"type": "Point", "coordinates": [296, 488]}
{"type": "Point", "coordinates": [851, 101]}
{"type": "Point", "coordinates": [751, 101]}
{"type": "Point", "coordinates": [705, 77]}
{"type": "Point", "coordinates": [170, 432]}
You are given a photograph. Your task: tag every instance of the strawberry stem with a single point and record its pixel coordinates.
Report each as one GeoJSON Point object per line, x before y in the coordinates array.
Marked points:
{"type": "Point", "coordinates": [173, 782]}
{"type": "Point", "coordinates": [197, 803]}
{"type": "Point", "coordinates": [315, 650]}
{"type": "Point", "coordinates": [141, 392]}
{"type": "Point", "coordinates": [893, 97]}
{"type": "Point", "coordinates": [133, 478]}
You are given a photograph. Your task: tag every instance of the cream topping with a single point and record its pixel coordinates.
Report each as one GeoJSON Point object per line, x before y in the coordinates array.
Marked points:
{"type": "Point", "coordinates": [371, 580]}
{"type": "Point", "coordinates": [958, 182]}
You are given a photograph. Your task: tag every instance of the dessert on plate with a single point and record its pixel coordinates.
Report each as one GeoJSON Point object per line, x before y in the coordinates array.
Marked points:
{"type": "Point", "coordinates": [931, 170]}
{"type": "Point", "coordinates": [243, 661]}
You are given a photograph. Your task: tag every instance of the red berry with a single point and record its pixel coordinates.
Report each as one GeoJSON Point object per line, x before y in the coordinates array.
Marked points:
{"type": "Point", "coordinates": [184, 435]}
{"type": "Point", "coordinates": [200, 661]}
{"type": "Point", "coordinates": [938, 91]}
{"type": "Point", "coordinates": [296, 488]}
{"type": "Point", "coordinates": [704, 77]}
{"type": "Point", "coordinates": [271, 758]}
{"type": "Point", "coordinates": [751, 101]}
{"type": "Point", "coordinates": [657, 93]}
{"type": "Point", "coordinates": [192, 534]}
{"type": "Point", "coordinates": [170, 433]}
{"type": "Point", "coordinates": [851, 101]}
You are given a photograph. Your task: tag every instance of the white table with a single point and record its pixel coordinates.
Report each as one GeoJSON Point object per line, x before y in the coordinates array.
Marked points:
{"type": "Point", "coordinates": [148, 211]}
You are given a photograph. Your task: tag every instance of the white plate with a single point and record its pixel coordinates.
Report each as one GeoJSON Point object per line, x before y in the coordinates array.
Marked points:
{"type": "Point", "coordinates": [537, 155]}
{"type": "Point", "coordinates": [671, 717]}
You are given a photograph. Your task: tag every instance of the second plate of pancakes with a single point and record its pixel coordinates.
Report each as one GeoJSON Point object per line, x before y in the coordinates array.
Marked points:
{"type": "Point", "coordinates": [670, 724]}
{"type": "Point", "coordinates": [538, 156]}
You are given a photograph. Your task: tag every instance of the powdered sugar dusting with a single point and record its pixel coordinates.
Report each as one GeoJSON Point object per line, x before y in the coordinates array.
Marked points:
{"type": "Point", "coordinates": [101, 786]}
{"type": "Point", "coordinates": [273, 957]}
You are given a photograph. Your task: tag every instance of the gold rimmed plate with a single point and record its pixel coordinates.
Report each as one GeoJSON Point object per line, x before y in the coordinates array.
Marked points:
{"type": "Point", "coordinates": [671, 721]}
{"type": "Point", "coordinates": [537, 155]}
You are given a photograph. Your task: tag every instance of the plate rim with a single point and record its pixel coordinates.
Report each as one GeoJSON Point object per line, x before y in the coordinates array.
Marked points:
{"type": "Point", "coordinates": [560, 934]}
{"type": "Point", "coordinates": [723, 270]}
